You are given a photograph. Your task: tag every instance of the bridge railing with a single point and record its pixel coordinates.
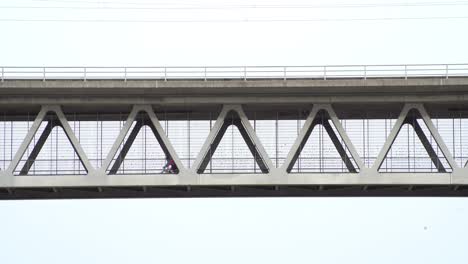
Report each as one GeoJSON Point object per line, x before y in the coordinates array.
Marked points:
{"type": "Point", "coordinates": [237, 72]}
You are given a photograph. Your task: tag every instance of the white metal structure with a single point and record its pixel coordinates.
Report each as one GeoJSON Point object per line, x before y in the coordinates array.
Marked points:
{"type": "Point", "coordinates": [330, 95]}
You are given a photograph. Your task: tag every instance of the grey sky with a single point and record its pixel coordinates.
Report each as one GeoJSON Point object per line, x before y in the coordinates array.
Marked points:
{"type": "Point", "coordinates": [330, 230]}
{"type": "Point", "coordinates": [358, 230]}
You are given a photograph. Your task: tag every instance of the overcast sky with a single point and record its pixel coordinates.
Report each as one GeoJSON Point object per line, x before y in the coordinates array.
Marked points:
{"type": "Point", "coordinates": [299, 230]}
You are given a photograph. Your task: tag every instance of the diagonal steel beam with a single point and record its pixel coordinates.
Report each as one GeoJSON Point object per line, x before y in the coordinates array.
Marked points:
{"type": "Point", "coordinates": [37, 148]}
{"type": "Point", "coordinates": [391, 137]}
{"type": "Point", "coordinates": [162, 138]}
{"type": "Point", "coordinates": [344, 136]}
{"type": "Point", "coordinates": [126, 147]}
{"type": "Point", "coordinates": [426, 143]}
{"type": "Point", "coordinates": [27, 140]}
{"type": "Point", "coordinates": [206, 147]}
{"type": "Point", "coordinates": [336, 141]}
{"type": "Point", "coordinates": [301, 139]}
{"type": "Point", "coordinates": [72, 138]}
{"type": "Point", "coordinates": [255, 141]}
{"type": "Point", "coordinates": [212, 148]}
{"type": "Point", "coordinates": [253, 149]}
{"type": "Point", "coordinates": [120, 138]}
{"type": "Point", "coordinates": [435, 134]}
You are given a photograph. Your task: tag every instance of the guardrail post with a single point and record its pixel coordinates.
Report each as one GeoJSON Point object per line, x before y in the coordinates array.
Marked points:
{"type": "Point", "coordinates": [365, 72]}
{"type": "Point", "coordinates": [43, 74]}
{"type": "Point", "coordinates": [406, 73]}
{"type": "Point", "coordinates": [446, 71]}
{"type": "Point", "coordinates": [324, 72]}
{"type": "Point", "coordinates": [205, 74]}
{"type": "Point", "coordinates": [3, 73]}
{"type": "Point", "coordinates": [245, 73]}
{"type": "Point", "coordinates": [165, 73]}
{"type": "Point", "coordinates": [125, 74]}
{"type": "Point", "coordinates": [284, 73]}
{"type": "Point", "coordinates": [84, 74]}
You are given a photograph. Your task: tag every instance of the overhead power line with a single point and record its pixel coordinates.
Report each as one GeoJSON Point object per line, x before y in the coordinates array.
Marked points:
{"type": "Point", "coordinates": [167, 6]}
{"type": "Point", "coordinates": [247, 20]}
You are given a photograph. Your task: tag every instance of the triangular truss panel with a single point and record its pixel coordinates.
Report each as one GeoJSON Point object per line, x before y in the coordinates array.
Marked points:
{"type": "Point", "coordinates": [368, 135]}
{"type": "Point", "coordinates": [414, 145]}
{"type": "Point", "coordinates": [233, 155]}
{"type": "Point", "coordinates": [187, 130]}
{"type": "Point", "coordinates": [142, 146]}
{"type": "Point", "coordinates": [277, 130]}
{"type": "Point", "coordinates": [96, 132]}
{"type": "Point", "coordinates": [233, 118]}
{"type": "Point", "coordinates": [324, 151]}
{"type": "Point", "coordinates": [322, 145]}
{"type": "Point", "coordinates": [53, 151]}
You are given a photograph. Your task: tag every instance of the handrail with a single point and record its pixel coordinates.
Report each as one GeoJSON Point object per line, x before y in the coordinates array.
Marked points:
{"type": "Point", "coordinates": [324, 72]}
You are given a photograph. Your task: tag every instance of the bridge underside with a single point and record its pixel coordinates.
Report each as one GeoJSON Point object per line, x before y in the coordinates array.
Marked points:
{"type": "Point", "coordinates": [231, 138]}
{"type": "Point", "coordinates": [236, 191]}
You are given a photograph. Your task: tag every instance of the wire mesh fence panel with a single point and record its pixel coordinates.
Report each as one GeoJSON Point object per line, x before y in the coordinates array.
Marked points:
{"type": "Point", "coordinates": [12, 134]}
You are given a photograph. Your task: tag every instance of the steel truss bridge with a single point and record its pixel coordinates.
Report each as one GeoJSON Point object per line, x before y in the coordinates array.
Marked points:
{"type": "Point", "coordinates": [357, 130]}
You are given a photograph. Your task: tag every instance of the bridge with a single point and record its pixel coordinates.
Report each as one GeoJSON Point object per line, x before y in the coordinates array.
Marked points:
{"type": "Point", "coordinates": [354, 130]}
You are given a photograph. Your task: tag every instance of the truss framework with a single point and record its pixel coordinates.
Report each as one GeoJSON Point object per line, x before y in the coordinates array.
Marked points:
{"type": "Point", "coordinates": [271, 175]}
{"type": "Point", "coordinates": [153, 122]}
{"type": "Point", "coordinates": [316, 117]}
{"type": "Point", "coordinates": [62, 122]}
{"type": "Point", "coordinates": [405, 117]}
{"type": "Point", "coordinates": [233, 115]}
